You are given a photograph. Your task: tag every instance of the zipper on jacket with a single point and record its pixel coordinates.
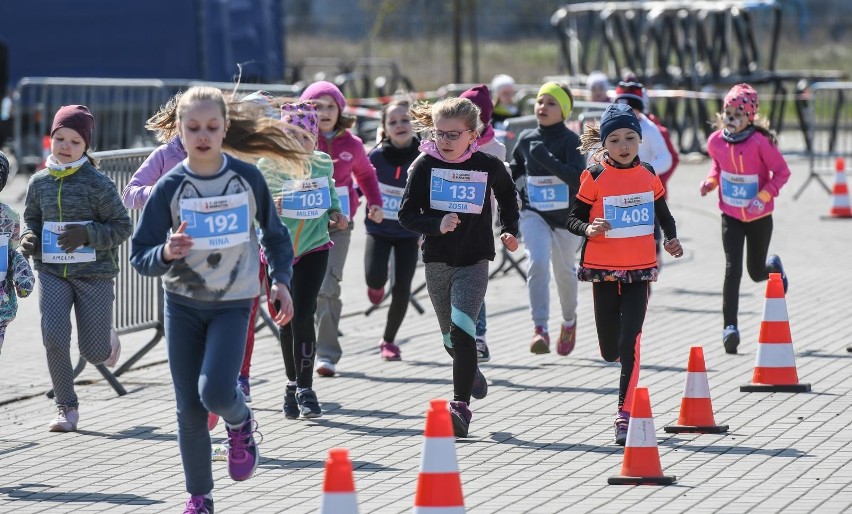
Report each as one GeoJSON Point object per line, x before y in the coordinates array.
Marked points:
{"type": "Point", "coordinates": [59, 200]}
{"type": "Point", "coordinates": [398, 170]}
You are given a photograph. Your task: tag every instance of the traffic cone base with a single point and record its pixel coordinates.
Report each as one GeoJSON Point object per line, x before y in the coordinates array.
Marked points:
{"type": "Point", "coordinates": [769, 388]}
{"type": "Point", "coordinates": [680, 429]}
{"type": "Point", "coordinates": [620, 480]}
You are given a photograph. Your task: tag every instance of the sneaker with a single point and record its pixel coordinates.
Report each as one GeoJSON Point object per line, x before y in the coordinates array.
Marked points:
{"type": "Point", "coordinates": [622, 421]}
{"type": "Point", "coordinates": [198, 504]}
{"type": "Point", "coordinates": [115, 347]}
{"type": "Point", "coordinates": [540, 342]}
{"type": "Point", "coordinates": [773, 265]}
{"type": "Point", "coordinates": [389, 351]}
{"type": "Point", "coordinates": [731, 339]}
{"type": "Point", "coordinates": [291, 407]}
{"type": "Point", "coordinates": [325, 368]}
{"type": "Point", "coordinates": [480, 386]}
{"type": "Point", "coordinates": [66, 420]}
{"type": "Point", "coordinates": [482, 353]}
{"type": "Point", "coordinates": [309, 406]}
{"type": "Point", "coordinates": [567, 339]}
{"type": "Point", "coordinates": [376, 295]}
{"type": "Point", "coordinates": [212, 421]}
{"type": "Point", "coordinates": [219, 452]}
{"type": "Point", "coordinates": [243, 454]}
{"type": "Point", "coordinates": [461, 417]}
{"type": "Point", "coordinates": [245, 387]}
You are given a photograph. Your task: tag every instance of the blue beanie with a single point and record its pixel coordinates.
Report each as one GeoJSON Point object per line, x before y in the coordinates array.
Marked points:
{"type": "Point", "coordinates": [618, 116]}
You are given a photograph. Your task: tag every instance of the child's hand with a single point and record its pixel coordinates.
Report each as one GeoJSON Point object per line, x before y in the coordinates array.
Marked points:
{"type": "Point", "coordinates": [74, 237]}
{"type": "Point", "coordinates": [597, 227]}
{"type": "Point", "coordinates": [706, 186]}
{"type": "Point", "coordinates": [755, 208]}
{"type": "Point", "coordinates": [29, 243]}
{"type": "Point", "coordinates": [338, 220]}
{"type": "Point", "coordinates": [509, 241]}
{"type": "Point", "coordinates": [673, 247]}
{"type": "Point", "coordinates": [178, 245]}
{"type": "Point", "coordinates": [376, 213]}
{"type": "Point", "coordinates": [281, 296]}
{"type": "Point", "coordinates": [449, 222]}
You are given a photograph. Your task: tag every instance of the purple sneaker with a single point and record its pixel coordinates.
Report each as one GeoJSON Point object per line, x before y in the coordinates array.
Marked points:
{"type": "Point", "coordinates": [243, 454]}
{"type": "Point", "coordinates": [245, 387]}
{"type": "Point", "coordinates": [622, 421]}
{"type": "Point", "coordinates": [461, 417]}
{"type": "Point", "coordinates": [198, 504]}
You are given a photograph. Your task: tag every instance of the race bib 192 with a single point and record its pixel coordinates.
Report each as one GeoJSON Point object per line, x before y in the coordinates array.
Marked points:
{"type": "Point", "coordinates": [217, 222]}
{"type": "Point", "coordinates": [547, 193]}
{"type": "Point", "coordinates": [738, 190]}
{"type": "Point", "coordinates": [629, 215]}
{"type": "Point", "coordinates": [305, 199]}
{"type": "Point", "coordinates": [51, 251]}
{"type": "Point", "coordinates": [458, 190]}
{"type": "Point", "coordinates": [391, 200]}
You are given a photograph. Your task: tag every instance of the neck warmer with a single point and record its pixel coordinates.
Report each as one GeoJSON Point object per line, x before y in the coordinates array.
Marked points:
{"type": "Point", "coordinates": [739, 137]}
{"type": "Point", "coordinates": [615, 164]}
{"type": "Point", "coordinates": [429, 147]}
{"type": "Point", "coordinates": [59, 170]}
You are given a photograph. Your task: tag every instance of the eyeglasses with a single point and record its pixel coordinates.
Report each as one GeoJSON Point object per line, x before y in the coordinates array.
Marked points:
{"type": "Point", "coordinates": [452, 135]}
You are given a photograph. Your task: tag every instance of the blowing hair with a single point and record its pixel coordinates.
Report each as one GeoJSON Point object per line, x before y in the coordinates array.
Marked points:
{"type": "Point", "coordinates": [164, 122]}
{"type": "Point", "coordinates": [590, 140]}
{"type": "Point", "coordinates": [424, 114]}
{"type": "Point", "coordinates": [760, 123]}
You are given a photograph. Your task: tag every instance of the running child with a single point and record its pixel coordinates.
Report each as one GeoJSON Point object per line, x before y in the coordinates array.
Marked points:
{"type": "Point", "coordinates": [392, 158]}
{"type": "Point", "coordinates": [347, 153]}
{"type": "Point", "coordinates": [751, 171]}
{"type": "Point", "coordinates": [547, 166]}
{"type": "Point", "coordinates": [308, 208]}
{"type": "Point", "coordinates": [209, 265]}
{"type": "Point", "coordinates": [505, 106]}
{"type": "Point", "coordinates": [15, 271]}
{"type": "Point", "coordinates": [75, 223]}
{"type": "Point", "coordinates": [618, 201]}
{"type": "Point", "coordinates": [446, 199]}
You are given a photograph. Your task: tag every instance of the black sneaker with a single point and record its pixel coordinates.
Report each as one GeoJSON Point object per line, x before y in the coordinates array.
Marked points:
{"type": "Point", "coordinates": [461, 417]}
{"type": "Point", "coordinates": [291, 406]}
{"type": "Point", "coordinates": [731, 339]}
{"type": "Point", "coordinates": [773, 265]}
{"type": "Point", "coordinates": [308, 404]}
{"type": "Point", "coordinates": [480, 386]}
{"type": "Point", "coordinates": [622, 421]}
{"type": "Point", "coordinates": [482, 353]}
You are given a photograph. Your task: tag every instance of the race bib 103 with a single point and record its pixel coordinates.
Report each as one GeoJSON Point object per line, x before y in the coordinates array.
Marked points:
{"type": "Point", "coordinates": [217, 222]}
{"type": "Point", "coordinates": [458, 190]}
{"type": "Point", "coordinates": [305, 199]}
{"type": "Point", "coordinates": [629, 215]}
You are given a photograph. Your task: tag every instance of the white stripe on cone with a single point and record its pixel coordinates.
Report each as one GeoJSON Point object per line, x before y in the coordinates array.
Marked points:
{"type": "Point", "coordinates": [696, 385]}
{"type": "Point", "coordinates": [438, 510]}
{"type": "Point", "coordinates": [640, 433]}
{"type": "Point", "coordinates": [770, 355]}
{"type": "Point", "coordinates": [439, 455]}
{"type": "Point", "coordinates": [775, 309]}
{"type": "Point", "coordinates": [339, 503]}
{"type": "Point", "coordinates": [841, 200]}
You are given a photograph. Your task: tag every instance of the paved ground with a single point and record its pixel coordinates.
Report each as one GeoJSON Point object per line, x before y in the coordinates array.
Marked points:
{"type": "Point", "coordinates": [542, 439]}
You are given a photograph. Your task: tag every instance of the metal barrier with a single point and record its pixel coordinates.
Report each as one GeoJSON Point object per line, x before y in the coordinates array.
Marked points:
{"type": "Point", "coordinates": [828, 132]}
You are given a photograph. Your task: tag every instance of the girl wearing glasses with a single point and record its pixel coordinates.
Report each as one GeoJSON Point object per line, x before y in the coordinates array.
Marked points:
{"type": "Point", "coordinates": [445, 199]}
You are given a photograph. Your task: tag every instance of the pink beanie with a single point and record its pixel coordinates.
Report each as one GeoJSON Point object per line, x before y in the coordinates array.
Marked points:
{"type": "Point", "coordinates": [77, 118]}
{"type": "Point", "coordinates": [318, 89]}
{"type": "Point", "coordinates": [481, 98]}
{"type": "Point", "coordinates": [301, 115]}
{"type": "Point", "coordinates": [743, 98]}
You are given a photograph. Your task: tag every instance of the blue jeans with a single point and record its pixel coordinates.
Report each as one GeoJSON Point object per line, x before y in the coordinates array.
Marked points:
{"type": "Point", "coordinates": [205, 349]}
{"type": "Point", "coordinates": [481, 325]}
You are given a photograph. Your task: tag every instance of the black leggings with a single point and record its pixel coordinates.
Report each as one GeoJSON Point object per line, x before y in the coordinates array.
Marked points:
{"type": "Point", "coordinates": [619, 314]}
{"type": "Point", "coordinates": [307, 278]}
{"type": "Point", "coordinates": [376, 257]}
{"type": "Point", "coordinates": [736, 234]}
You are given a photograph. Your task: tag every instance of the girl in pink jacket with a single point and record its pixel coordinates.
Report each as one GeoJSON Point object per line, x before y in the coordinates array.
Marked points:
{"type": "Point", "coordinates": [748, 171]}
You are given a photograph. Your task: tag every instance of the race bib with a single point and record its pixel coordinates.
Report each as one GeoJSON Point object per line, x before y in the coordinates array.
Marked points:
{"type": "Point", "coordinates": [218, 221]}
{"type": "Point", "coordinates": [52, 253]}
{"type": "Point", "coordinates": [343, 197]}
{"type": "Point", "coordinates": [4, 251]}
{"type": "Point", "coordinates": [738, 190]}
{"type": "Point", "coordinates": [391, 200]}
{"type": "Point", "coordinates": [629, 215]}
{"type": "Point", "coordinates": [458, 190]}
{"type": "Point", "coordinates": [305, 199]}
{"type": "Point", "coordinates": [547, 193]}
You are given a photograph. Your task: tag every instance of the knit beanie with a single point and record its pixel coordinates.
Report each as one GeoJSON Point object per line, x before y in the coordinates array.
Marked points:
{"type": "Point", "coordinates": [500, 83]}
{"type": "Point", "coordinates": [4, 170]}
{"type": "Point", "coordinates": [597, 78]}
{"type": "Point", "coordinates": [618, 116]}
{"type": "Point", "coordinates": [743, 98]}
{"type": "Point", "coordinates": [631, 93]}
{"type": "Point", "coordinates": [302, 115]}
{"type": "Point", "coordinates": [318, 89]}
{"type": "Point", "coordinates": [77, 118]}
{"type": "Point", "coordinates": [481, 98]}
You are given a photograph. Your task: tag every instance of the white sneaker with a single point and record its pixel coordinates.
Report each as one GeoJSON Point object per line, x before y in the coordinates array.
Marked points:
{"type": "Point", "coordinates": [115, 345]}
{"type": "Point", "coordinates": [325, 368]}
{"type": "Point", "coordinates": [65, 421]}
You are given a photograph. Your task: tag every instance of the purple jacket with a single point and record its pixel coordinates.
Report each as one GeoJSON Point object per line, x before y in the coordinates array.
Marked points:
{"type": "Point", "coordinates": [754, 167]}
{"type": "Point", "coordinates": [161, 160]}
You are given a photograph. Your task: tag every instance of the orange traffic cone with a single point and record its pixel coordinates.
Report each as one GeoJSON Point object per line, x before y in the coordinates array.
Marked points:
{"type": "Point", "coordinates": [840, 207]}
{"type": "Point", "coordinates": [775, 366]}
{"type": "Point", "coordinates": [641, 456]}
{"type": "Point", "coordinates": [439, 488]}
{"type": "Point", "coordinates": [338, 489]}
{"type": "Point", "coordinates": [696, 410]}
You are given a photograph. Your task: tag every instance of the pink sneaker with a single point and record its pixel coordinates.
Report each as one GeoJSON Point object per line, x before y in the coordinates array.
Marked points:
{"type": "Point", "coordinates": [66, 420]}
{"type": "Point", "coordinates": [567, 339]}
{"type": "Point", "coordinates": [376, 295]}
{"type": "Point", "coordinates": [540, 342]}
{"type": "Point", "coordinates": [243, 453]}
{"type": "Point", "coordinates": [389, 351]}
{"type": "Point", "coordinates": [115, 345]}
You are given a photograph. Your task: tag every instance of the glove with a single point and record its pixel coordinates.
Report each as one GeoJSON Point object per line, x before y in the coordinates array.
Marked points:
{"type": "Point", "coordinates": [755, 208]}
{"type": "Point", "coordinates": [29, 244]}
{"type": "Point", "coordinates": [706, 186]}
{"type": "Point", "coordinates": [74, 237]}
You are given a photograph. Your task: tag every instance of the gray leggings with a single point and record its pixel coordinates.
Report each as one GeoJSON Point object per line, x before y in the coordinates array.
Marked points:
{"type": "Point", "coordinates": [457, 294]}
{"type": "Point", "coordinates": [92, 299]}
